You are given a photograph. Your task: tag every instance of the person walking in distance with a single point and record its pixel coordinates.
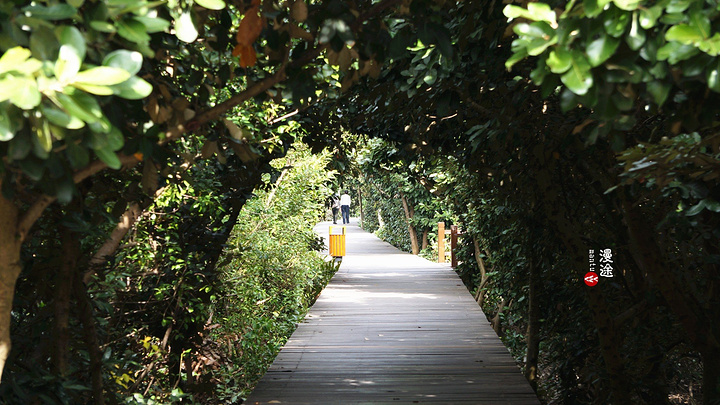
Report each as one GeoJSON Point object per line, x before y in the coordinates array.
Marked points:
{"type": "Point", "coordinates": [335, 207]}
{"type": "Point", "coordinates": [345, 207]}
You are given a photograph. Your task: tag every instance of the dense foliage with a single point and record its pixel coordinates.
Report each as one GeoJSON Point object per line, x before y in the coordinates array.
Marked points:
{"type": "Point", "coordinates": [616, 150]}
{"type": "Point", "coordinates": [272, 271]}
{"type": "Point", "coordinates": [602, 135]}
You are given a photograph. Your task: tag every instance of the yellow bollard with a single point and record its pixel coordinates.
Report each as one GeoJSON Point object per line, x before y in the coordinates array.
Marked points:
{"type": "Point", "coordinates": [337, 241]}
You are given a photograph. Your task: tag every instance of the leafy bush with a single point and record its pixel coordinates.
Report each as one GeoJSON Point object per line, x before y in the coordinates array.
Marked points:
{"type": "Point", "coordinates": [272, 271]}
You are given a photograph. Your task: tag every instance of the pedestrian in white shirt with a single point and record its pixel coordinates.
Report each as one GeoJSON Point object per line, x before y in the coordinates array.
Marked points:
{"type": "Point", "coordinates": [345, 207]}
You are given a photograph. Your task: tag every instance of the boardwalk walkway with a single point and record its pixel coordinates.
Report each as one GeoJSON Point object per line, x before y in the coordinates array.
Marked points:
{"type": "Point", "coordinates": [392, 328]}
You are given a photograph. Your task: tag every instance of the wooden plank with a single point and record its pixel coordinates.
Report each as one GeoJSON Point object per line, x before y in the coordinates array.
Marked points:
{"type": "Point", "coordinates": [392, 328]}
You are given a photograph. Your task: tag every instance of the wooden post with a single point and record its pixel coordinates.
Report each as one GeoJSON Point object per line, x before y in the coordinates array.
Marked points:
{"type": "Point", "coordinates": [441, 242]}
{"type": "Point", "coordinates": [453, 245]}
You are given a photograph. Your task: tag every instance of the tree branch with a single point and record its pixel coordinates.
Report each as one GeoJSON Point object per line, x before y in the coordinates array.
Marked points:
{"type": "Point", "coordinates": [28, 219]}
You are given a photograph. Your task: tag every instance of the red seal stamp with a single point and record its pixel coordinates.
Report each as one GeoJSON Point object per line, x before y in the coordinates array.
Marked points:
{"type": "Point", "coordinates": [591, 279]}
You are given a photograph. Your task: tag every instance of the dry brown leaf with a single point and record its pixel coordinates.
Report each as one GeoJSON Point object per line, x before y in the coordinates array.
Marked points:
{"type": "Point", "coordinates": [345, 59]}
{"type": "Point", "coordinates": [150, 177]}
{"type": "Point", "coordinates": [235, 131]}
{"type": "Point", "coordinates": [297, 32]}
{"type": "Point", "coordinates": [299, 11]}
{"type": "Point", "coordinates": [247, 56]}
{"type": "Point", "coordinates": [250, 27]}
{"type": "Point", "coordinates": [208, 149]}
{"type": "Point", "coordinates": [153, 108]}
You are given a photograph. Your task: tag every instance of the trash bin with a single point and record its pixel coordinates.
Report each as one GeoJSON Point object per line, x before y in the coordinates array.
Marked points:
{"type": "Point", "coordinates": [337, 241]}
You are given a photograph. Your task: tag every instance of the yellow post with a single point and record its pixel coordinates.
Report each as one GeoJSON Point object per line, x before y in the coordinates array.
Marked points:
{"type": "Point", "coordinates": [441, 242]}
{"type": "Point", "coordinates": [337, 241]}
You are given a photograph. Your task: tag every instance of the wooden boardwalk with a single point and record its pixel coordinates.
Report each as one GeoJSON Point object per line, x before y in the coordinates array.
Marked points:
{"type": "Point", "coordinates": [392, 328]}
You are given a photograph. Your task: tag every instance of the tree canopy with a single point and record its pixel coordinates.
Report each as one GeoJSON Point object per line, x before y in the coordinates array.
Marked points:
{"type": "Point", "coordinates": [545, 130]}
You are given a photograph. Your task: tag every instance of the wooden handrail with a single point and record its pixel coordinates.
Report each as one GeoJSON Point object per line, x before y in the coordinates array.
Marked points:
{"type": "Point", "coordinates": [453, 232]}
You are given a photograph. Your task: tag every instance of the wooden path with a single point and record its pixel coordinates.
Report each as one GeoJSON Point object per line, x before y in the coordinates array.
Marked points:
{"type": "Point", "coordinates": [392, 328]}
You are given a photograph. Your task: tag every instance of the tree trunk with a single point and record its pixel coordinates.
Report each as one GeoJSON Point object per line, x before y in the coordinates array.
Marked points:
{"type": "Point", "coordinates": [87, 318]}
{"type": "Point", "coordinates": [61, 304]}
{"type": "Point", "coordinates": [10, 243]}
{"type": "Point", "coordinates": [110, 246]}
{"type": "Point", "coordinates": [409, 213]}
{"type": "Point", "coordinates": [425, 241]}
{"type": "Point", "coordinates": [480, 295]}
{"type": "Point", "coordinates": [496, 322]}
{"type": "Point", "coordinates": [533, 329]}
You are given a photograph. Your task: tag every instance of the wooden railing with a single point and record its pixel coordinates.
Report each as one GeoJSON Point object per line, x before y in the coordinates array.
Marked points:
{"type": "Point", "coordinates": [454, 232]}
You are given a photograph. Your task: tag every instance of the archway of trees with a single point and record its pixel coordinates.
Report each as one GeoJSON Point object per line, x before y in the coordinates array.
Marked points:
{"type": "Point", "coordinates": [134, 133]}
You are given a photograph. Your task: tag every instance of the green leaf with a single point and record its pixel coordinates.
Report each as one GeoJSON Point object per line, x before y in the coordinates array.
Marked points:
{"type": "Point", "coordinates": [94, 89]}
{"type": "Point", "coordinates": [700, 21]}
{"type": "Point", "coordinates": [430, 77]}
{"type": "Point", "coordinates": [675, 52]}
{"type": "Point", "coordinates": [64, 190]}
{"type": "Point", "coordinates": [659, 90]}
{"type": "Point", "coordinates": [130, 61]}
{"type": "Point", "coordinates": [33, 168]}
{"type": "Point", "coordinates": [61, 118]}
{"type": "Point", "coordinates": [133, 31]}
{"type": "Point", "coordinates": [593, 8]}
{"type": "Point", "coordinates": [134, 88]}
{"type": "Point", "coordinates": [579, 78]}
{"type": "Point", "coordinates": [76, 3]}
{"type": "Point", "coordinates": [101, 126]}
{"type": "Point", "coordinates": [21, 91]}
{"type": "Point", "coordinates": [13, 57]}
{"type": "Point", "coordinates": [559, 60]}
{"type": "Point", "coordinates": [72, 37]}
{"type": "Point", "coordinates": [517, 56]}
{"type": "Point", "coordinates": [52, 13]}
{"type": "Point", "coordinates": [80, 105]}
{"type": "Point", "coordinates": [713, 78]}
{"type": "Point", "coordinates": [185, 29]}
{"type": "Point", "coordinates": [649, 16]}
{"type": "Point", "coordinates": [68, 64]}
{"type": "Point", "coordinates": [103, 26]}
{"type": "Point", "coordinates": [601, 49]}
{"type": "Point", "coordinates": [102, 75]}
{"type": "Point", "coordinates": [615, 22]}
{"type": "Point", "coordinates": [627, 5]}
{"type": "Point", "coordinates": [712, 205]}
{"type": "Point", "coordinates": [678, 6]}
{"type": "Point", "coordinates": [44, 137]}
{"type": "Point", "coordinates": [211, 4]}
{"type": "Point", "coordinates": [711, 46]}
{"type": "Point", "coordinates": [6, 130]}
{"type": "Point", "coordinates": [535, 37]}
{"type": "Point", "coordinates": [539, 73]}
{"type": "Point", "coordinates": [696, 209]}
{"type": "Point", "coordinates": [534, 12]}
{"type": "Point", "coordinates": [636, 37]}
{"type": "Point", "coordinates": [115, 139]}
{"type": "Point", "coordinates": [43, 44]}
{"type": "Point", "coordinates": [109, 157]}
{"type": "Point", "coordinates": [684, 33]}
{"type": "Point", "coordinates": [153, 24]}
{"type": "Point", "coordinates": [20, 146]}
{"type": "Point", "coordinates": [77, 155]}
